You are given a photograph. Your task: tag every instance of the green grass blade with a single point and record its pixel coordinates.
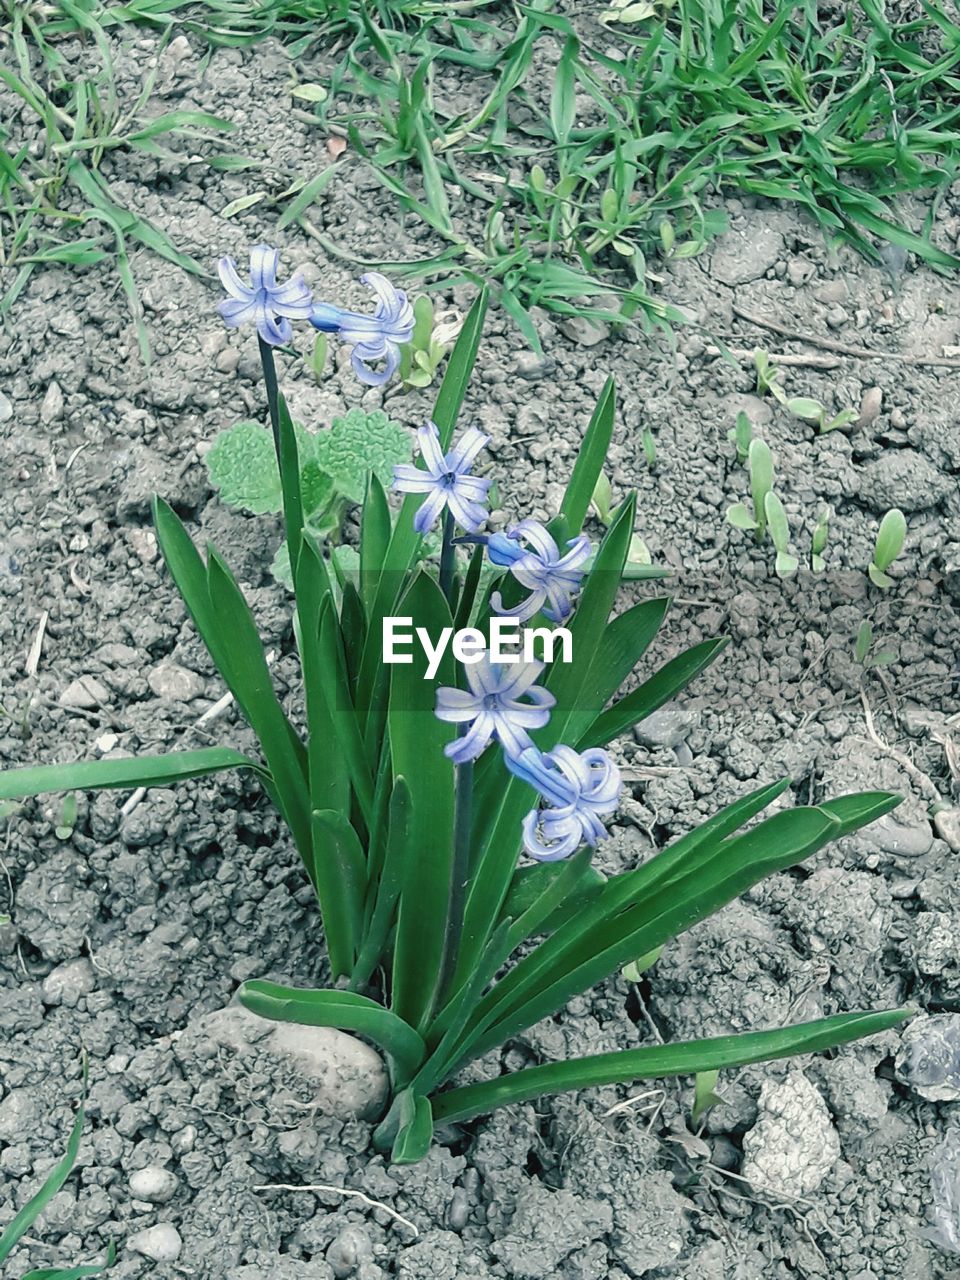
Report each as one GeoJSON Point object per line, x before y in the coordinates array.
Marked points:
{"type": "Point", "coordinates": [136, 771]}
{"type": "Point", "coordinates": [653, 693]}
{"type": "Point", "coordinates": [23, 1220]}
{"type": "Point", "coordinates": [590, 460]}
{"type": "Point", "coordinates": [714, 1054]}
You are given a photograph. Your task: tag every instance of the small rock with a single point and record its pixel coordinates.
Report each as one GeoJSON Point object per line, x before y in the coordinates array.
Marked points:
{"type": "Point", "coordinates": [6, 408]}
{"type": "Point", "coordinates": [947, 824]}
{"type": "Point", "coordinates": [184, 1140]}
{"type": "Point", "coordinates": [870, 406]}
{"type": "Point", "coordinates": [799, 271]}
{"type": "Point", "coordinates": [668, 726]}
{"type": "Point", "coordinates": [161, 1243]}
{"type": "Point", "coordinates": [19, 1115]}
{"type": "Point", "coordinates": [106, 742]}
{"type": "Point", "coordinates": [900, 839]}
{"type": "Point", "coordinates": [85, 694]}
{"type": "Point", "coordinates": [51, 409]}
{"type": "Point", "coordinates": [154, 1184]}
{"type": "Point", "coordinates": [346, 1075]}
{"type": "Point", "coordinates": [929, 1057]}
{"type": "Point", "coordinates": [175, 683]}
{"type": "Point", "coordinates": [587, 333]}
{"type": "Point", "coordinates": [533, 367]}
{"type": "Point", "coordinates": [68, 982]}
{"type": "Point", "coordinates": [228, 360]}
{"type": "Point", "coordinates": [144, 543]}
{"type": "Point", "coordinates": [746, 253]}
{"type": "Point", "coordinates": [902, 478]}
{"type": "Point", "coordinates": [793, 1145]}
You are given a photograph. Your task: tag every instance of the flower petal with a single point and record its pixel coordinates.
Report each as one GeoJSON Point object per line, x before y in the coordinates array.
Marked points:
{"type": "Point", "coordinates": [430, 510]}
{"type": "Point", "coordinates": [410, 479]}
{"type": "Point", "coordinates": [466, 449]}
{"type": "Point", "coordinates": [229, 278]}
{"type": "Point", "coordinates": [428, 438]}
{"type": "Point", "coordinates": [537, 536]}
{"type": "Point", "coordinates": [264, 260]}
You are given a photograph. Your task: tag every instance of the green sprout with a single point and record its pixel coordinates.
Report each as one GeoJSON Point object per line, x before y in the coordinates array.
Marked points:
{"type": "Point", "coordinates": [889, 544]}
{"type": "Point", "coordinates": [863, 649]}
{"type": "Point", "coordinates": [741, 433]}
{"type": "Point", "coordinates": [803, 407]}
{"type": "Point", "coordinates": [760, 467]}
{"type": "Point", "coordinates": [433, 336]}
{"type": "Point", "coordinates": [786, 564]}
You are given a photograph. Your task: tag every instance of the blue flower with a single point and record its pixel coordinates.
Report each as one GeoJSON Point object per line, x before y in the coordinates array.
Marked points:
{"type": "Point", "coordinates": [445, 480]}
{"type": "Point", "coordinates": [263, 302]}
{"type": "Point", "coordinates": [580, 789]}
{"type": "Point", "coordinates": [535, 561]}
{"type": "Point", "coordinates": [376, 337]}
{"type": "Point", "coordinates": [493, 708]}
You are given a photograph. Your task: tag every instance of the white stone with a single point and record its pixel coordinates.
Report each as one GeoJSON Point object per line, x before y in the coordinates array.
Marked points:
{"type": "Point", "coordinates": [349, 1076]}
{"type": "Point", "coordinates": [85, 693]}
{"type": "Point", "coordinates": [153, 1184]}
{"type": "Point", "coordinates": [161, 1243]}
{"type": "Point", "coordinates": [170, 680]}
{"type": "Point", "coordinates": [793, 1145]}
{"type": "Point", "coordinates": [52, 407]}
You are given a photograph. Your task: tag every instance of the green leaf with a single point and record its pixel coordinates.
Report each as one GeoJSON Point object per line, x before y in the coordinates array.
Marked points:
{"type": "Point", "coordinates": [135, 771]}
{"type": "Point", "coordinates": [777, 522]}
{"type": "Point", "coordinates": [32, 1210]}
{"type": "Point", "coordinates": [340, 868]}
{"type": "Point", "coordinates": [417, 740]}
{"type": "Point", "coordinates": [626, 1066]}
{"type": "Point", "coordinates": [343, 1009]}
{"type": "Point", "coordinates": [890, 539]}
{"type": "Point", "coordinates": [740, 517]}
{"type": "Point", "coordinates": [805, 409]}
{"type": "Point", "coordinates": [590, 460]}
{"type": "Point", "coordinates": [563, 97]}
{"type": "Point", "coordinates": [634, 707]}
{"type": "Point", "coordinates": [416, 1130]}
{"type": "Point", "coordinates": [75, 1273]}
{"type": "Point", "coordinates": [357, 444]}
{"type": "Point", "coordinates": [243, 465]}
{"type": "Point", "coordinates": [375, 530]}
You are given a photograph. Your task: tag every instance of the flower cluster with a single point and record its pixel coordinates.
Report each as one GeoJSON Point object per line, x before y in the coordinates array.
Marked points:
{"type": "Point", "coordinates": [271, 307]}
{"type": "Point", "coordinates": [503, 700]}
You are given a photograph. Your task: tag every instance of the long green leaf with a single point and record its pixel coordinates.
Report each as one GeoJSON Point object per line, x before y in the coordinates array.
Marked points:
{"type": "Point", "coordinates": [340, 875]}
{"type": "Point", "coordinates": [135, 771]}
{"type": "Point", "coordinates": [590, 459]}
{"type": "Point", "coordinates": [23, 1220]}
{"type": "Point", "coordinates": [343, 1009]}
{"type": "Point", "coordinates": [653, 693]}
{"type": "Point", "coordinates": [417, 740]}
{"type": "Point", "coordinates": [628, 1065]}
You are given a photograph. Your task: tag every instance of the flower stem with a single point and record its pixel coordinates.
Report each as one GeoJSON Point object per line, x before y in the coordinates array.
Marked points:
{"type": "Point", "coordinates": [459, 878]}
{"type": "Point", "coordinates": [447, 557]}
{"type": "Point", "coordinates": [273, 393]}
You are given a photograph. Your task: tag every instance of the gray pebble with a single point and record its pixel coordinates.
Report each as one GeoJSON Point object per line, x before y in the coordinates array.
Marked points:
{"type": "Point", "coordinates": [161, 1243]}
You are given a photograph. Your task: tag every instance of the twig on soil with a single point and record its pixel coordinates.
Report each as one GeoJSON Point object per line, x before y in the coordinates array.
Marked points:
{"type": "Point", "coordinates": [811, 361]}
{"type": "Point", "coordinates": [922, 780]}
{"type": "Point", "coordinates": [842, 348]}
{"type": "Point", "coordinates": [33, 656]}
{"type": "Point", "coordinates": [341, 1191]}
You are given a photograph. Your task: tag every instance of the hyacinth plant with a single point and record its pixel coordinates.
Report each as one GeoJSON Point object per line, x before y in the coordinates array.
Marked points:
{"type": "Point", "coordinates": [446, 812]}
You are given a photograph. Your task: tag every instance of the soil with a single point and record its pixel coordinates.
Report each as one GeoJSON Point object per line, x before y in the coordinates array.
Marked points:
{"type": "Point", "coordinates": [128, 926]}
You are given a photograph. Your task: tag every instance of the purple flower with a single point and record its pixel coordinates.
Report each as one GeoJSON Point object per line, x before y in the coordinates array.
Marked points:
{"type": "Point", "coordinates": [446, 481]}
{"type": "Point", "coordinates": [376, 337]}
{"type": "Point", "coordinates": [535, 561]}
{"type": "Point", "coordinates": [263, 302]}
{"type": "Point", "coordinates": [493, 708]}
{"type": "Point", "coordinates": [579, 788]}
